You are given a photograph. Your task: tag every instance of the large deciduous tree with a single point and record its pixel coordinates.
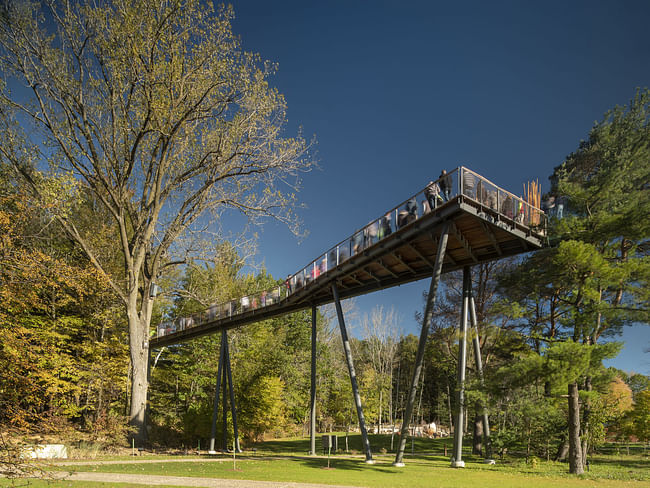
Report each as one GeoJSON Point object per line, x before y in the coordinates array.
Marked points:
{"type": "Point", "coordinates": [153, 107]}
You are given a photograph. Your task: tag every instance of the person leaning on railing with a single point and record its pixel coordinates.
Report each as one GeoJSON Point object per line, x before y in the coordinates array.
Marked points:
{"type": "Point", "coordinates": [432, 192]}
{"type": "Point", "coordinates": [384, 226]}
{"type": "Point", "coordinates": [445, 184]}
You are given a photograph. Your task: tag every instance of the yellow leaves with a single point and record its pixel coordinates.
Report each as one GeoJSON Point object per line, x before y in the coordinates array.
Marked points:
{"type": "Point", "coordinates": [618, 397]}
{"type": "Point", "coordinates": [59, 192]}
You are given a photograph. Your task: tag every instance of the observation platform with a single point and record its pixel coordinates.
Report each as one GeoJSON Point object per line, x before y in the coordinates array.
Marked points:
{"type": "Point", "coordinates": [485, 223]}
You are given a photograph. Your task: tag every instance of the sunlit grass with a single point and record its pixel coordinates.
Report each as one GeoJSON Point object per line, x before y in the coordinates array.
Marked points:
{"type": "Point", "coordinates": [285, 460]}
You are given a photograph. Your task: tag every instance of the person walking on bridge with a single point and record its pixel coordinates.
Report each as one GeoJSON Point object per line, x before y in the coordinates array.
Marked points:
{"type": "Point", "coordinates": [445, 184]}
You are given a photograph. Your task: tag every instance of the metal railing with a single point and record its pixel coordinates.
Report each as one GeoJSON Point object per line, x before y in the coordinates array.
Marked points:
{"type": "Point", "coordinates": [461, 181]}
{"type": "Point", "coordinates": [502, 203]}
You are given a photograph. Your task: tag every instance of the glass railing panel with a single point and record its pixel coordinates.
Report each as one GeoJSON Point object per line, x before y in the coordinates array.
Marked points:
{"type": "Point", "coordinates": [212, 312]}
{"type": "Point", "coordinates": [487, 194]}
{"type": "Point", "coordinates": [507, 204]}
{"type": "Point", "coordinates": [344, 250]}
{"type": "Point", "coordinates": [320, 266]}
{"type": "Point", "coordinates": [332, 258]}
{"type": "Point", "coordinates": [407, 213]}
{"type": "Point", "coordinates": [306, 275]}
{"type": "Point", "coordinates": [356, 243]}
{"type": "Point", "coordinates": [469, 184]}
{"type": "Point", "coordinates": [298, 281]}
{"type": "Point", "coordinates": [385, 226]}
{"type": "Point", "coordinates": [197, 319]}
{"type": "Point", "coordinates": [371, 234]}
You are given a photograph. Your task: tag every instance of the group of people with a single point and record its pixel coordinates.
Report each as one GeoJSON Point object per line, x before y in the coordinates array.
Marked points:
{"type": "Point", "coordinates": [438, 192]}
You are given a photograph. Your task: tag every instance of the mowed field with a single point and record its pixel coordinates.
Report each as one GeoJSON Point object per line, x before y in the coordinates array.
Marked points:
{"type": "Point", "coordinates": [286, 460]}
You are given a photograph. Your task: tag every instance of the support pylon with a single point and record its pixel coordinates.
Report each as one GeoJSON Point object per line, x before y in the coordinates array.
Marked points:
{"type": "Point", "coordinates": [479, 368]}
{"type": "Point", "coordinates": [312, 412]}
{"type": "Point", "coordinates": [457, 460]}
{"type": "Point", "coordinates": [224, 382]}
{"type": "Point", "coordinates": [353, 375]}
{"type": "Point", "coordinates": [424, 334]}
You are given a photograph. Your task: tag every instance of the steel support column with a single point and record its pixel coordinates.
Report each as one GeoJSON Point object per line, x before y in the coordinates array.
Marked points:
{"type": "Point", "coordinates": [215, 407]}
{"type": "Point", "coordinates": [424, 334]}
{"type": "Point", "coordinates": [233, 409]}
{"type": "Point", "coordinates": [479, 367]}
{"type": "Point", "coordinates": [353, 375]}
{"type": "Point", "coordinates": [457, 460]}
{"type": "Point", "coordinates": [224, 387]}
{"type": "Point", "coordinates": [312, 412]}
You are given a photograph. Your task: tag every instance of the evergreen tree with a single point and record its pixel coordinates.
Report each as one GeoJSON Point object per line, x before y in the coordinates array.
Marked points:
{"type": "Point", "coordinates": [594, 280]}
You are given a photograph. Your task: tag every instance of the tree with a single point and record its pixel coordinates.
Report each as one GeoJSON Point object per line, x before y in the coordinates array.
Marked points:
{"type": "Point", "coordinates": [640, 416]}
{"type": "Point", "coordinates": [153, 108]}
{"type": "Point", "coordinates": [595, 280]}
{"type": "Point", "coordinates": [380, 332]}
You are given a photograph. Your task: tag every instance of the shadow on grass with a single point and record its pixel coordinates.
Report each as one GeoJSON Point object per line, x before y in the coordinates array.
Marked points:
{"type": "Point", "coordinates": [623, 463]}
{"type": "Point", "coordinates": [348, 464]}
{"type": "Point", "coordinates": [378, 442]}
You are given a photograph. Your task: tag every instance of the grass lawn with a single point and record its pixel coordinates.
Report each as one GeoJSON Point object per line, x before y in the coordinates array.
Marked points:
{"type": "Point", "coordinates": [285, 460]}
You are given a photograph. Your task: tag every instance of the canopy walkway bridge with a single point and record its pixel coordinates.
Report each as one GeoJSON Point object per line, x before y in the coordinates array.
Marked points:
{"type": "Point", "coordinates": [458, 221]}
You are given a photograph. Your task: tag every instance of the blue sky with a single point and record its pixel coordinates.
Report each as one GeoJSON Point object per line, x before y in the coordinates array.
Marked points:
{"type": "Point", "coordinates": [395, 92]}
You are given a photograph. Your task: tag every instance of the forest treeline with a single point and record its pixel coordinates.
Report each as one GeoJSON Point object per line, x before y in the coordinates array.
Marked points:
{"type": "Point", "coordinates": [133, 134]}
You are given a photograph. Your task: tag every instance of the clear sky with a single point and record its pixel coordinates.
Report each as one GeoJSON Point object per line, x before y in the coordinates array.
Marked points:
{"type": "Point", "coordinates": [397, 91]}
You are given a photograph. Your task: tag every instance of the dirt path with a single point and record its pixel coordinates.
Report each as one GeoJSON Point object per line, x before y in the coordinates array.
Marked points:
{"type": "Point", "coordinates": [152, 480]}
{"type": "Point", "coordinates": [143, 461]}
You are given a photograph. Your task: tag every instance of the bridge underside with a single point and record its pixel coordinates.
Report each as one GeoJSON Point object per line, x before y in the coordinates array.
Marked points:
{"type": "Point", "coordinates": [477, 234]}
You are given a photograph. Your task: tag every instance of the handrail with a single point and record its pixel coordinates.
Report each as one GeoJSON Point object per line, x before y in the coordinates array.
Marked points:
{"type": "Point", "coordinates": [436, 195]}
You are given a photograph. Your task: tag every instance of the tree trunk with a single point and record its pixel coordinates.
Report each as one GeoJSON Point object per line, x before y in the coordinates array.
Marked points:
{"type": "Point", "coordinates": [562, 450]}
{"type": "Point", "coordinates": [585, 422]}
{"type": "Point", "coordinates": [381, 399]}
{"type": "Point", "coordinates": [477, 440]}
{"type": "Point", "coordinates": [575, 448]}
{"type": "Point", "coordinates": [139, 349]}
{"type": "Point", "coordinates": [451, 417]}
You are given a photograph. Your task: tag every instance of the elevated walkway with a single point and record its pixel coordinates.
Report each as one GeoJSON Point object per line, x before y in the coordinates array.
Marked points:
{"type": "Point", "coordinates": [485, 223]}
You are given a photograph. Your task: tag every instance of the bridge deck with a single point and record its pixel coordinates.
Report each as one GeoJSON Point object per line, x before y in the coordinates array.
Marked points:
{"type": "Point", "coordinates": [487, 223]}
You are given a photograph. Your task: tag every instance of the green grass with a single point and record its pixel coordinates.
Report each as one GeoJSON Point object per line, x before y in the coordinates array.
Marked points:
{"type": "Point", "coordinates": [421, 472]}
{"type": "Point", "coordinates": [285, 460]}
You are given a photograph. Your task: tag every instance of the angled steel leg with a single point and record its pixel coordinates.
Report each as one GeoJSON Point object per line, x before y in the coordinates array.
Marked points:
{"type": "Point", "coordinates": [479, 367]}
{"type": "Point", "coordinates": [224, 386]}
{"type": "Point", "coordinates": [215, 408]}
{"type": "Point", "coordinates": [233, 409]}
{"type": "Point", "coordinates": [353, 375]}
{"type": "Point", "coordinates": [424, 334]}
{"type": "Point", "coordinates": [457, 460]}
{"type": "Point", "coordinates": [312, 413]}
